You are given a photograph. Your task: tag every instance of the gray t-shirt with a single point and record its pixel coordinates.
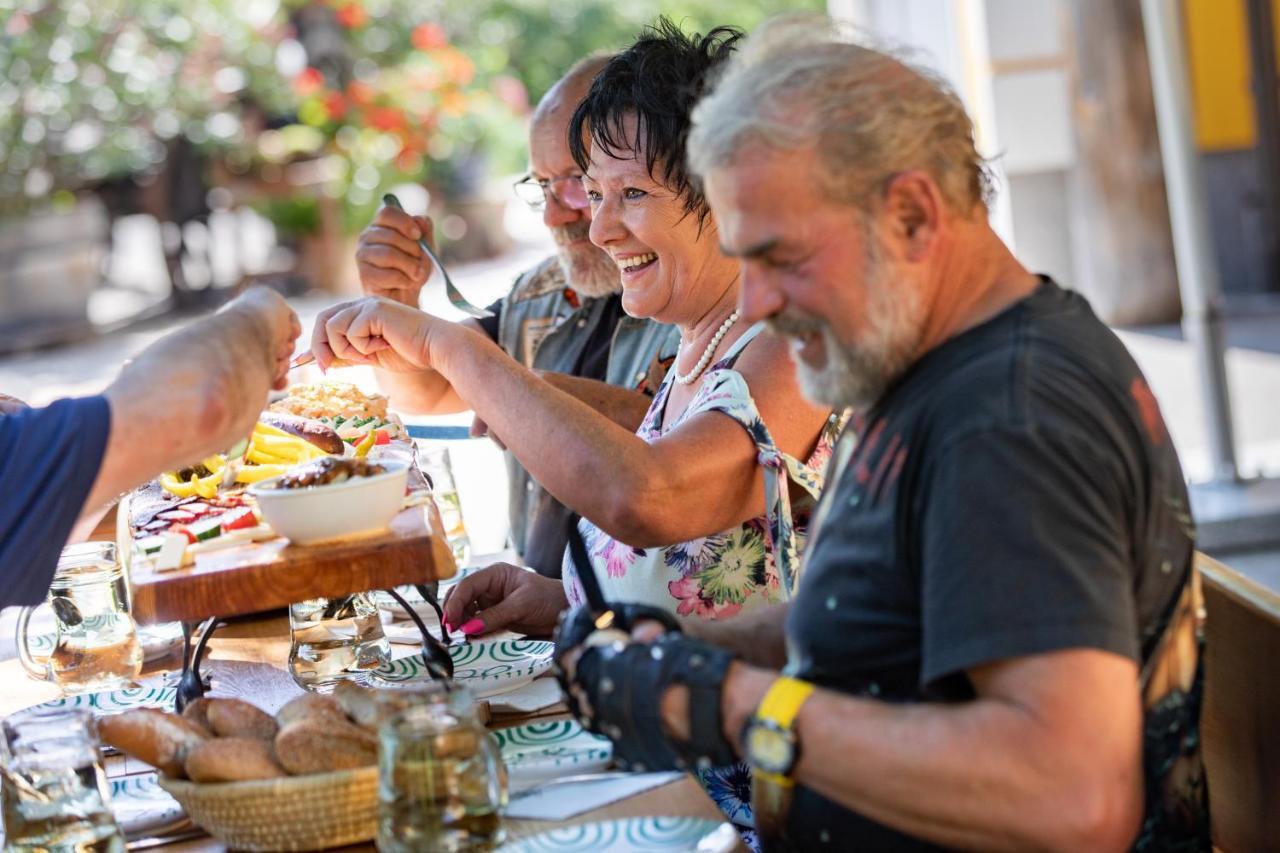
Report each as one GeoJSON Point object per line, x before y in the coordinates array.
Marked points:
{"type": "Point", "coordinates": [1015, 493]}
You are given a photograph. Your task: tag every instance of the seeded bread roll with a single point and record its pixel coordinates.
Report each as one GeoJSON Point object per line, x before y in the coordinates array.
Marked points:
{"type": "Point", "coordinates": [321, 435]}
{"type": "Point", "coordinates": [317, 745]}
{"type": "Point", "coordinates": [236, 718]}
{"type": "Point", "coordinates": [310, 705]}
{"type": "Point", "coordinates": [160, 739]}
{"type": "Point", "coordinates": [232, 759]}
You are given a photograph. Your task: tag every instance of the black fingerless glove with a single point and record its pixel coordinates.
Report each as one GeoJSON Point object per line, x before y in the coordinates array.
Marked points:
{"type": "Point", "coordinates": [624, 685]}
{"type": "Point", "coordinates": [576, 625]}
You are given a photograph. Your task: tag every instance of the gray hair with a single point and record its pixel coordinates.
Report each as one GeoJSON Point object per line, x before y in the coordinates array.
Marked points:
{"type": "Point", "coordinates": [800, 82]}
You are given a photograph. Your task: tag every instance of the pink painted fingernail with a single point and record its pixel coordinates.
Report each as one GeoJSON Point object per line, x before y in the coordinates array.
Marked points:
{"type": "Point", "coordinates": [475, 626]}
{"type": "Point", "coordinates": [447, 626]}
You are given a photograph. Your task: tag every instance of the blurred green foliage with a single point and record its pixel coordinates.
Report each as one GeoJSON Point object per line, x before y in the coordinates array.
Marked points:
{"type": "Point", "coordinates": [537, 40]}
{"type": "Point", "coordinates": [92, 89]}
{"type": "Point", "coordinates": [363, 93]}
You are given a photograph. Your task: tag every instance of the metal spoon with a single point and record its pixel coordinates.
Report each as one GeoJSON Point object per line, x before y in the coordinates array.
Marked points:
{"type": "Point", "coordinates": [455, 296]}
{"type": "Point", "coordinates": [435, 656]}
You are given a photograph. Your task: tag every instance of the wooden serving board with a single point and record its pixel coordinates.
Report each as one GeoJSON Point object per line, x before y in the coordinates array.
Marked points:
{"type": "Point", "coordinates": [259, 576]}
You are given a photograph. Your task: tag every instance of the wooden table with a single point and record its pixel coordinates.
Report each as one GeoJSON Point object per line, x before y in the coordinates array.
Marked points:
{"type": "Point", "coordinates": [259, 645]}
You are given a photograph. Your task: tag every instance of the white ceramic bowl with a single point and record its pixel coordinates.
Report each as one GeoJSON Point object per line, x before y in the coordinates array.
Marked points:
{"type": "Point", "coordinates": [357, 505]}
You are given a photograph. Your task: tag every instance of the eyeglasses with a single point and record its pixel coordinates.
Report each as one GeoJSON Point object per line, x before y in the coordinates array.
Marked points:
{"type": "Point", "coordinates": [566, 190]}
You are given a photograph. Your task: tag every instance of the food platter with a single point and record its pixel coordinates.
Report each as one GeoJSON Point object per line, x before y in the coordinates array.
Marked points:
{"type": "Point", "coordinates": [196, 545]}
{"type": "Point", "coordinates": [213, 504]}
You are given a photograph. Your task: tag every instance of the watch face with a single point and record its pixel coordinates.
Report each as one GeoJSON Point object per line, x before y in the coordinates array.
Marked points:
{"type": "Point", "coordinates": [770, 748]}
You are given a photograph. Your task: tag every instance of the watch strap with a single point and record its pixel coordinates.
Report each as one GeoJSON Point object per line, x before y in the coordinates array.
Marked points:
{"type": "Point", "coordinates": [771, 792]}
{"type": "Point", "coordinates": [782, 702]}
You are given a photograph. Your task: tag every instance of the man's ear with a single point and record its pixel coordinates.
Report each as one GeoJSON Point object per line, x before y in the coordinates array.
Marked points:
{"type": "Point", "coordinates": [913, 209]}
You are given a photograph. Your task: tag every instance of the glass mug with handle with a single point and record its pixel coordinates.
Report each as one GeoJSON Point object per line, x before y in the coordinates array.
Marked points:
{"type": "Point", "coordinates": [435, 463]}
{"type": "Point", "coordinates": [442, 784]}
{"type": "Point", "coordinates": [95, 646]}
{"type": "Point", "coordinates": [335, 639]}
{"type": "Point", "coordinates": [53, 790]}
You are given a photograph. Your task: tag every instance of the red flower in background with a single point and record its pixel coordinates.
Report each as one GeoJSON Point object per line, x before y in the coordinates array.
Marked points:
{"type": "Point", "coordinates": [386, 118]}
{"type": "Point", "coordinates": [408, 161]}
{"type": "Point", "coordinates": [428, 37]}
{"type": "Point", "coordinates": [352, 16]}
{"type": "Point", "coordinates": [308, 82]}
{"type": "Point", "coordinates": [458, 66]}
{"type": "Point", "coordinates": [20, 23]}
{"type": "Point", "coordinates": [336, 105]}
{"type": "Point", "coordinates": [359, 93]}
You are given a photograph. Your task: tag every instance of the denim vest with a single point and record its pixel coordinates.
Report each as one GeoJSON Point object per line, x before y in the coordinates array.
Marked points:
{"type": "Point", "coordinates": [542, 329]}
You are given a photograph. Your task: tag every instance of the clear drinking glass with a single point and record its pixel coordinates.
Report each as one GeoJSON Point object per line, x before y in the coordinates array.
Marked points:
{"type": "Point", "coordinates": [435, 463]}
{"type": "Point", "coordinates": [96, 646]}
{"type": "Point", "coordinates": [52, 785]}
{"type": "Point", "coordinates": [335, 639]}
{"type": "Point", "coordinates": [441, 781]}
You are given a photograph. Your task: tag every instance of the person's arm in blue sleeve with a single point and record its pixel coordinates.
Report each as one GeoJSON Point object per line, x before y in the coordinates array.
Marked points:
{"type": "Point", "coordinates": [190, 394]}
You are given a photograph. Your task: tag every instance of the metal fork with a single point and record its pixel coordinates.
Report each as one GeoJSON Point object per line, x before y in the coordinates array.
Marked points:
{"type": "Point", "coordinates": [455, 296]}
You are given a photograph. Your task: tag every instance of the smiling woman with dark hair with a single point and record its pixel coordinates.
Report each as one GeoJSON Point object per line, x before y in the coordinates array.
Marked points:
{"type": "Point", "coordinates": [655, 83]}
{"type": "Point", "coordinates": [693, 513]}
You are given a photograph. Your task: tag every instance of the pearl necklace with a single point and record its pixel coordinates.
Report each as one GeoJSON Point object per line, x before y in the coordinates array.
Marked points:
{"type": "Point", "coordinates": [706, 353]}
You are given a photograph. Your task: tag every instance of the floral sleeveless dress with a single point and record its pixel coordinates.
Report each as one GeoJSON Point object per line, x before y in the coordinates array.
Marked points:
{"type": "Point", "coordinates": [727, 573]}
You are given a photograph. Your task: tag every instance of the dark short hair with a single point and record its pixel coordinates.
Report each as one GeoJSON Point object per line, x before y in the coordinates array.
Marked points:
{"type": "Point", "coordinates": [659, 78]}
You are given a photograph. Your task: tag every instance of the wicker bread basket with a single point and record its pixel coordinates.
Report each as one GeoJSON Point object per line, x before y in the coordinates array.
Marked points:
{"type": "Point", "coordinates": [291, 813]}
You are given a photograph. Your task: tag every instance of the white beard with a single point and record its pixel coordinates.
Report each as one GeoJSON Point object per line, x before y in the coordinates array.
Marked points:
{"type": "Point", "coordinates": [591, 272]}
{"type": "Point", "coordinates": [856, 376]}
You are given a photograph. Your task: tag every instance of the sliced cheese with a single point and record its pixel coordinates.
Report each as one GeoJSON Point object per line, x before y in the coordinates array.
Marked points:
{"type": "Point", "coordinates": [171, 552]}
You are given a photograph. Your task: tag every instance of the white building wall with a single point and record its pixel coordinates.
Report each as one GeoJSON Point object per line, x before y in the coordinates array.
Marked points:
{"type": "Point", "coordinates": [1009, 60]}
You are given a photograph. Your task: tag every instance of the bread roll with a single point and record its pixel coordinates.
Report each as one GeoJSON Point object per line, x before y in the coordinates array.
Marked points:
{"type": "Point", "coordinates": [237, 718]}
{"type": "Point", "coordinates": [321, 435]}
{"type": "Point", "coordinates": [232, 759]}
{"type": "Point", "coordinates": [366, 707]}
{"type": "Point", "coordinates": [310, 705]}
{"type": "Point", "coordinates": [160, 739]}
{"type": "Point", "coordinates": [318, 745]}
{"type": "Point", "coordinates": [197, 711]}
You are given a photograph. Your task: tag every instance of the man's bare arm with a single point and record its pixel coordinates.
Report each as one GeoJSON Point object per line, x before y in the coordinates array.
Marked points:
{"type": "Point", "coordinates": [194, 392]}
{"type": "Point", "coordinates": [757, 637]}
{"type": "Point", "coordinates": [623, 406]}
{"type": "Point", "coordinates": [1048, 756]}
{"type": "Point", "coordinates": [391, 265]}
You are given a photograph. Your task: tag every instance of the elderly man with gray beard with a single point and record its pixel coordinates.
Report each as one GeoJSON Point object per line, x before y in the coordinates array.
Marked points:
{"type": "Point", "coordinates": [563, 317]}
{"type": "Point", "coordinates": [994, 644]}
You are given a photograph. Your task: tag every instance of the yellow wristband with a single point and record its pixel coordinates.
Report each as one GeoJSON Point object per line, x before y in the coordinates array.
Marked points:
{"type": "Point", "coordinates": [782, 703]}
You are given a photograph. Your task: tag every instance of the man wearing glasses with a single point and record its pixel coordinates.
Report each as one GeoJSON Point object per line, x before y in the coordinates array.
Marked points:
{"type": "Point", "coordinates": [563, 317]}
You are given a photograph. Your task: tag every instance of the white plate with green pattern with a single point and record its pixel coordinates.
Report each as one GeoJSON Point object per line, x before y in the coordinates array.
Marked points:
{"type": "Point", "coordinates": [536, 752]}
{"type": "Point", "coordinates": [486, 667]}
{"type": "Point", "coordinates": [115, 701]}
{"type": "Point", "coordinates": [632, 835]}
{"type": "Point", "coordinates": [157, 642]}
{"type": "Point", "coordinates": [140, 805]}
